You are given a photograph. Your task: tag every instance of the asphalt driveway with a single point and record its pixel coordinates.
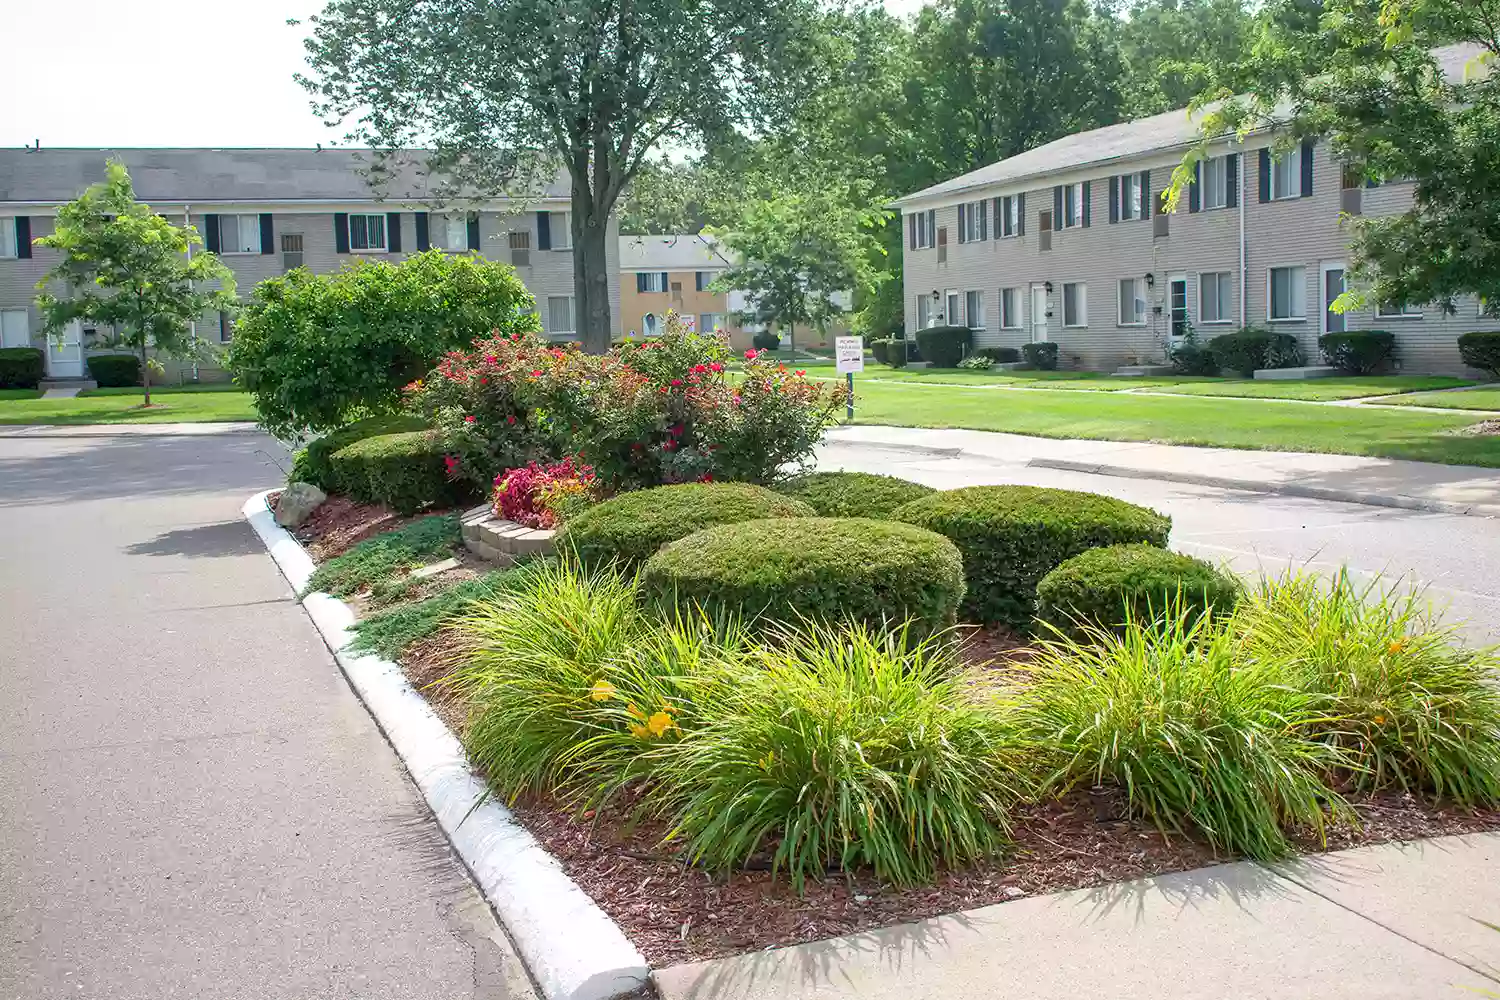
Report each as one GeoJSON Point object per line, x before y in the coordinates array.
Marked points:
{"type": "Point", "coordinates": [193, 804]}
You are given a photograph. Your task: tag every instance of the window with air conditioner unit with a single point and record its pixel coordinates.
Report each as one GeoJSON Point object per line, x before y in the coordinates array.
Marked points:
{"type": "Point", "coordinates": [291, 251]}
{"type": "Point", "coordinates": [520, 248]}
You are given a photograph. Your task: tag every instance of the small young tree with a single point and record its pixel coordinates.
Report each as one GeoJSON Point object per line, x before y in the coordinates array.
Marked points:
{"type": "Point", "coordinates": [126, 268]}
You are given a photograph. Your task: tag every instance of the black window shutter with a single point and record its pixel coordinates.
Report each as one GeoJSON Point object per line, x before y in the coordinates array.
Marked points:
{"type": "Point", "coordinates": [473, 232]}
{"type": "Point", "coordinates": [1058, 219]}
{"type": "Point", "coordinates": [1195, 192]}
{"type": "Point", "coordinates": [984, 220]}
{"type": "Point", "coordinates": [911, 232]}
{"type": "Point", "coordinates": [666, 284]}
{"type": "Point", "coordinates": [932, 227]}
{"type": "Point", "coordinates": [1265, 175]}
{"type": "Point", "coordinates": [1232, 180]}
{"type": "Point", "coordinates": [640, 281]}
{"type": "Point", "coordinates": [1114, 200]}
{"type": "Point", "coordinates": [211, 233]}
{"type": "Point", "coordinates": [1307, 168]}
{"type": "Point", "coordinates": [424, 235]}
{"type": "Point", "coordinates": [340, 232]}
{"type": "Point", "coordinates": [999, 210]}
{"type": "Point", "coordinates": [23, 236]}
{"type": "Point", "coordinates": [961, 233]}
{"type": "Point", "coordinates": [393, 232]}
{"type": "Point", "coordinates": [1021, 214]}
{"type": "Point", "coordinates": [698, 280]}
{"type": "Point", "coordinates": [544, 230]}
{"type": "Point", "coordinates": [1145, 194]}
{"type": "Point", "coordinates": [1087, 199]}
{"type": "Point", "coordinates": [267, 234]}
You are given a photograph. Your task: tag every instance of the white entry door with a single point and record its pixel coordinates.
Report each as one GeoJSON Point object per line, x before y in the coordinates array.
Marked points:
{"type": "Point", "coordinates": [1177, 304]}
{"type": "Point", "coordinates": [65, 352]}
{"type": "Point", "coordinates": [1038, 314]}
{"type": "Point", "coordinates": [1333, 285]}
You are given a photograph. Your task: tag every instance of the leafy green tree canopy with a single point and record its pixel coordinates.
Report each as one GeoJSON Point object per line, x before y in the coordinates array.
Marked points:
{"type": "Point", "coordinates": [126, 268]}
{"type": "Point", "coordinates": [496, 88]}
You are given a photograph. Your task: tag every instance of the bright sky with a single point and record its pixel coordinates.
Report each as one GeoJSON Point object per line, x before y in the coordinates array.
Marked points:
{"type": "Point", "coordinates": [162, 73]}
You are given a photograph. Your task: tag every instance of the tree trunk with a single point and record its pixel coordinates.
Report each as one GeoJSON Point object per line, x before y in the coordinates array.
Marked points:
{"type": "Point", "coordinates": [590, 271]}
{"type": "Point", "coordinates": [145, 375]}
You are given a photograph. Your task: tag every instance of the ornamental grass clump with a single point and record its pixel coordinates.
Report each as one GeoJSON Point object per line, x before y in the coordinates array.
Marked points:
{"type": "Point", "coordinates": [1409, 707]}
{"type": "Point", "coordinates": [1199, 742]}
{"type": "Point", "coordinates": [829, 749]}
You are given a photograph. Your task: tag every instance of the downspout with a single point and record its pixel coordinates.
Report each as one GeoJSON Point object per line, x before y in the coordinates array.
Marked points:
{"type": "Point", "coordinates": [1244, 269]}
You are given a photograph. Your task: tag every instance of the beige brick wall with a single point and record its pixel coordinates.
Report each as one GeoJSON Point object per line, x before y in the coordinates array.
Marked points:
{"type": "Point", "coordinates": [1304, 232]}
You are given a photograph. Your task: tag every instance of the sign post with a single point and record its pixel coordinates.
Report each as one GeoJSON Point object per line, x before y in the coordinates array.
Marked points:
{"type": "Point", "coordinates": [850, 353]}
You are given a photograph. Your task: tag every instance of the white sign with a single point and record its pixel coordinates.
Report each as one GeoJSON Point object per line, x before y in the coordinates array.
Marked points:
{"type": "Point", "coordinates": [850, 352]}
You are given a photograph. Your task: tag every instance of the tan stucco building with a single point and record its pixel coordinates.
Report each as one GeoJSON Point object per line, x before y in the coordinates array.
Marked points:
{"type": "Point", "coordinates": [661, 273]}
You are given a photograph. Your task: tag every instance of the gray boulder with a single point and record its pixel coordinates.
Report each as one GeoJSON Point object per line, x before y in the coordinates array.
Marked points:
{"type": "Point", "coordinates": [296, 504]}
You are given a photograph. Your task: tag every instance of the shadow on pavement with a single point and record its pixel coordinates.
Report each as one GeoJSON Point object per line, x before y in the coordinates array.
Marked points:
{"type": "Point", "coordinates": [226, 538]}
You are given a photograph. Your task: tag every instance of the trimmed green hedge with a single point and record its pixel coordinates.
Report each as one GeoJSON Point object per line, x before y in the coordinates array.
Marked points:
{"type": "Point", "coordinates": [854, 494]}
{"type": "Point", "coordinates": [1252, 348]}
{"type": "Point", "coordinates": [944, 346]}
{"type": "Point", "coordinates": [1106, 586]}
{"type": "Point", "coordinates": [1041, 355]}
{"type": "Point", "coordinates": [405, 472]}
{"type": "Point", "coordinates": [765, 340]}
{"type": "Point", "coordinates": [110, 370]}
{"type": "Point", "coordinates": [1012, 536]}
{"type": "Point", "coordinates": [629, 528]}
{"type": "Point", "coordinates": [21, 367]}
{"type": "Point", "coordinates": [825, 568]}
{"type": "Point", "coordinates": [880, 351]}
{"type": "Point", "coordinates": [1000, 355]}
{"type": "Point", "coordinates": [1358, 352]}
{"type": "Point", "coordinates": [1481, 350]}
{"type": "Point", "coordinates": [311, 464]}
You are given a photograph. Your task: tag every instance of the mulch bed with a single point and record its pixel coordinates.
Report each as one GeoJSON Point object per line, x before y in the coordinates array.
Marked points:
{"type": "Point", "coordinates": [339, 524]}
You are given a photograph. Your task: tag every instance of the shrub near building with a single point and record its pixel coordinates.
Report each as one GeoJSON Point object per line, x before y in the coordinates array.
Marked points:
{"type": "Point", "coordinates": [854, 494]}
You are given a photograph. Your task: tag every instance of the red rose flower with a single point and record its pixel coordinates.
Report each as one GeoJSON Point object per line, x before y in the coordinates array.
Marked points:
{"type": "Point", "coordinates": [469, 419]}
{"type": "Point", "coordinates": [511, 419]}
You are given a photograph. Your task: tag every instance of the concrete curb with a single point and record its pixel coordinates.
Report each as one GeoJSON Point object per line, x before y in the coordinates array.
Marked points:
{"type": "Point", "coordinates": [573, 950]}
{"type": "Point", "coordinates": [1281, 489]}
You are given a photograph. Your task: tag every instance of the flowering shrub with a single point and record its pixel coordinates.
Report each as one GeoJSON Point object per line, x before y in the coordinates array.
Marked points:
{"type": "Point", "coordinates": [666, 410]}
{"type": "Point", "coordinates": [539, 496]}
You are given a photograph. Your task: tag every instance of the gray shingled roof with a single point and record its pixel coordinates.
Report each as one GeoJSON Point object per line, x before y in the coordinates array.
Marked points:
{"type": "Point", "coordinates": [683, 252]}
{"type": "Point", "coordinates": [1159, 133]}
{"type": "Point", "coordinates": [213, 175]}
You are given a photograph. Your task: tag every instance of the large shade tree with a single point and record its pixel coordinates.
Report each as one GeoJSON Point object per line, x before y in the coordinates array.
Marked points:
{"type": "Point", "coordinates": [501, 91]}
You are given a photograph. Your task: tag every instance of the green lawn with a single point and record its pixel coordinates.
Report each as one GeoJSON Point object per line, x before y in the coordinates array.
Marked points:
{"type": "Point", "coordinates": [135, 390]}
{"type": "Point", "coordinates": [1320, 389]}
{"type": "Point", "coordinates": [1474, 399]}
{"type": "Point", "coordinates": [1218, 422]}
{"type": "Point", "coordinates": [1095, 381]}
{"type": "Point", "coordinates": [20, 393]}
{"type": "Point", "coordinates": [176, 404]}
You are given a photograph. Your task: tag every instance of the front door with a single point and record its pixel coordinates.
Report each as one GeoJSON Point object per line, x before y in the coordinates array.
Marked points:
{"type": "Point", "coordinates": [1177, 301]}
{"type": "Point", "coordinates": [65, 352]}
{"type": "Point", "coordinates": [1333, 286]}
{"type": "Point", "coordinates": [1039, 314]}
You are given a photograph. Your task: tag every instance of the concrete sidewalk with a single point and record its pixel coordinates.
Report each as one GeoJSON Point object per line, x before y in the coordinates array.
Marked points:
{"type": "Point", "coordinates": [1381, 482]}
{"type": "Point", "coordinates": [1396, 922]}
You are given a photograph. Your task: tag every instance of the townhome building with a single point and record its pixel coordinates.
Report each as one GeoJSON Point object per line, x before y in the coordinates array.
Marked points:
{"type": "Point", "coordinates": [676, 273]}
{"type": "Point", "coordinates": [1070, 242]}
{"type": "Point", "coordinates": [268, 211]}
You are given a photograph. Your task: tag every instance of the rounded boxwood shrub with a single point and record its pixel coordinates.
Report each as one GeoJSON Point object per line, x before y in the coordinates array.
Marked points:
{"type": "Point", "coordinates": [21, 367]}
{"type": "Point", "coordinates": [1481, 350]}
{"type": "Point", "coordinates": [944, 346]}
{"type": "Point", "coordinates": [311, 464]}
{"type": "Point", "coordinates": [1252, 348]}
{"type": "Point", "coordinates": [630, 527]}
{"type": "Point", "coordinates": [1000, 355]}
{"type": "Point", "coordinates": [1012, 536]}
{"type": "Point", "coordinates": [115, 369]}
{"type": "Point", "coordinates": [879, 350]}
{"type": "Point", "coordinates": [1041, 355]}
{"type": "Point", "coordinates": [825, 568]}
{"type": "Point", "coordinates": [1107, 586]}
{"type": "Point", "coordinates": [405, 472]}
{"type": "Point", "coordinates": [854, 494]}
{"type": "Point", "coordinates": [1358, 352]}
{"type": "Point", "coordinates": [766, 340]}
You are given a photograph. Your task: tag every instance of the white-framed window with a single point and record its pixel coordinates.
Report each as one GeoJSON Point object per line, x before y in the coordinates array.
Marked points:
{"type": "Point", "coordinates": [1286, 174]}
{"type": "Point", "coordinates": [15, 328]}
{"type": "Point", "coordinates": [1216, 182]}
{"type": "Point", "coordinates": [1397, 310]}
{"type": "Point", "coordinates": [1072, 206]}
{"type": "Point", "coordinates": [1009, 222]}
{"type": "Point", "coordinates": [654, 281]}
{"type": "Point", "coordinates": [8, 245]}
{"type": "Point", "coordinates": [240, 233]}
{"type": "Point", "coordinates": [975, 219]}
{"type": "Point", "coordinates": [649, 325]}
{"type": "Point", "coordinates": [924, 312]}
{"type": "Point", "coordinates": [1132, 301]}
{"type": "Point", "coordinates": [455, 233]}
{"type": "Point", "coordinates": [560, 318]}
{"type": "Point", "coordinates": [1130, 197]}
{"type": "Point", "coordinates": [1286, 293]}
{"type": "Point", "coordinates": [561, 230]}
{"type": "Point", "coordinates": [974, 310]}
{"type": "Point", "coordinates": [1216, 297]}
{"type": "Point", "coordinates": [1010, 308]}
{"type": "Point", "coordinates": [367, 232]}
{"type": "Point", "coordinates": [924, 230]}
{"type": "Point", "coordinates": [952, 302]}
{"type": "Point", "coordinates": [1075, 304]}
{"type": "Point", "coordinates": [709, 322]}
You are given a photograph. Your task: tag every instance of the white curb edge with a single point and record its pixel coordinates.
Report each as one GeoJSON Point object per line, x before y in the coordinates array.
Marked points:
{"type": "Point", "coordinates": [573, 949]}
